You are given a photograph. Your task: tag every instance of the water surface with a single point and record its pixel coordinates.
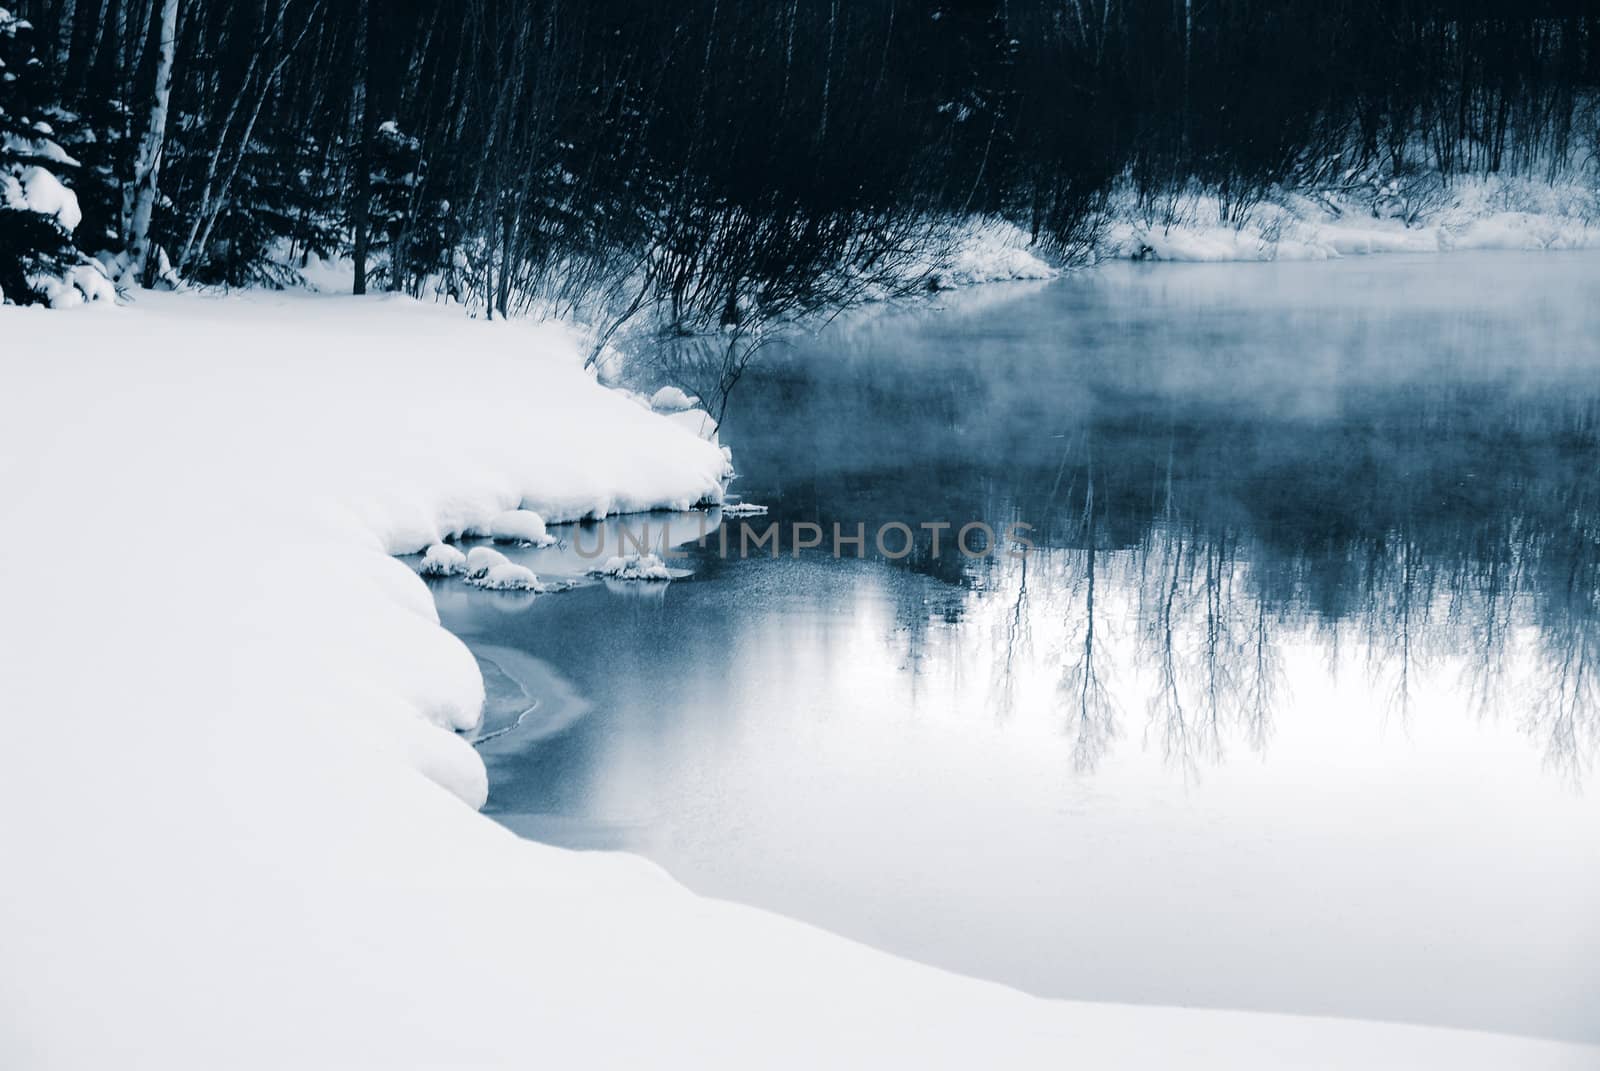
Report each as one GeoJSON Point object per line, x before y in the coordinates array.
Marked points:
{"type": "Point", "coordinates": [1293, 707]}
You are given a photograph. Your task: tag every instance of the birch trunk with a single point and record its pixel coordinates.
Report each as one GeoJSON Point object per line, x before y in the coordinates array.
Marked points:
{"type": "Point", "coordinates": [204, 216]}
{"type": "Point", "coordinates": [147, 165]}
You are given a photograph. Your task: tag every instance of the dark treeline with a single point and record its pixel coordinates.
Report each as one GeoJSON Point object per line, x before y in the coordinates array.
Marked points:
{"type": "Point", "coordinates": [710, 159]}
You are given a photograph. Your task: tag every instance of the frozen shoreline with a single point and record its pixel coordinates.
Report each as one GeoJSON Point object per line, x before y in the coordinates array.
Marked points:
{"type": "Point", "coordinates": [259, 856]}
{"type": "Point", "coordinates": [1470, 213]}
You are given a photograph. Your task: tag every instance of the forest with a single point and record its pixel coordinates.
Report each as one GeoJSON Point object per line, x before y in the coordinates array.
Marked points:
{"type": "Point", "coordinates": [707, 163]}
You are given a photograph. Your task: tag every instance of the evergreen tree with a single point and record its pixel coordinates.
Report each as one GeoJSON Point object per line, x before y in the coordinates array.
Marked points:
{"type": "Point", "coordinates": [37, 213]}
{"type": "Point", "coordinates": [397, 172]}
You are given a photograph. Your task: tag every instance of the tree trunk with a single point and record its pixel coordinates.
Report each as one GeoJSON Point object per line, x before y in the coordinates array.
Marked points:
{"type": "Point", "coordinates": [204, 217]}
{"type": "Point", "coordinates": [65, 18]}
{"type": "Point", "coordinates": [147, 165]}
{"type": "Point", "coordinates": [363, 183]}
{"type": "Point", "coordinates": [505, 262]}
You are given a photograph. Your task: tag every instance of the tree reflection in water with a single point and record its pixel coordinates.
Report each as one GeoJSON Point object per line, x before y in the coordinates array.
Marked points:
{"type": "Point", "coordinates": [1393, 467]}
{"type": "Point", "coordinates": [1419, 537]}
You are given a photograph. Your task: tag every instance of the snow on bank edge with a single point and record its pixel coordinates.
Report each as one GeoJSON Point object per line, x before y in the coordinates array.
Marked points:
{"type": "Point", "coordinates": [1505, 213]}
{"type": "Point", "coordinates": [316, 437]}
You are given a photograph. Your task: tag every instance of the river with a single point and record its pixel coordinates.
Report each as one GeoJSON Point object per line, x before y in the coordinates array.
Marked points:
{"type": "Point", "coordinates": [1292, 706]}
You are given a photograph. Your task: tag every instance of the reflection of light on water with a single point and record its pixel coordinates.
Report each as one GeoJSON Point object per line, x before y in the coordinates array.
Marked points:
{"type": "Point", "coordinates": [1345, 857]}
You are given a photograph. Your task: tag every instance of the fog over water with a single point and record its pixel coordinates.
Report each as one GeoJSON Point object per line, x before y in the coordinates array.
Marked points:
{"type": "Point", "coordinates": [1294, 706]}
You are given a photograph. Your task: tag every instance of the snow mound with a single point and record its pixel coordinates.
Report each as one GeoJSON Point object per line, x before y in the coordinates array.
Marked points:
{"type": "Point", "coordinates": [508, 576]}
{"type": "Point", "coordinates": [635, 567]}
{"type": "Point", "coordinates": [519, 526]}
{"type": "Point", "coordinates": [93, 284]}
{"type": "Point", "coordinates": [743, 509]}
{"type": "Point", "coordinates": [992, 251]}
{"type": "Point", "coordinates": [672, 400]}
{"type": "Point", "coordinates": [480, 560]}
{"type": "Point", "coordinates": [441, 559]}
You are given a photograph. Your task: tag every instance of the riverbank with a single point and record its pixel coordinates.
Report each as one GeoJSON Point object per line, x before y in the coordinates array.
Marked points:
{"type": "Point", "coordinates": [258, 846]}
{"type": "Point", "coordinates": [1425, 214]}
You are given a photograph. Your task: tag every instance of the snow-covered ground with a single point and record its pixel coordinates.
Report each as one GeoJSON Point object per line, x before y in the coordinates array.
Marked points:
{"type": "Point", "coordinates": [991, 251]}
{"type": "Point", "coordinates": [238, 828]}
{"type": "Point", "coordinates": [1426, 215]}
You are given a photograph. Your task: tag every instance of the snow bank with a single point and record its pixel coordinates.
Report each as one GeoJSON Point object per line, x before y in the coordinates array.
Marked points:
{"type": "Point", "coordinates": [234, 829]}
{"type": "Point", "coordinates": [519, 526]}
{"type": "Point", "coordinates": [961, 253]}
{"type": "Point", "coordinates": [1469, 213]}
{"type": "Point", "coordinates": [992, 251]}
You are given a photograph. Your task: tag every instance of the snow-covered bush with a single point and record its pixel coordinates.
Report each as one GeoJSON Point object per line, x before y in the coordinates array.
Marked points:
{"type": "Point", "coordinates": [509, 576]}
{"type": "Point", "coordinates": [1411, 196]}
{"type": "Point", "coordinates": [38, 262]}
{"type": "Point", "coordinates": [442, 559]}
{"type": "Point", "coordinates": [635, 567]}
{"type": "Point", "coordinates": [481, 559]}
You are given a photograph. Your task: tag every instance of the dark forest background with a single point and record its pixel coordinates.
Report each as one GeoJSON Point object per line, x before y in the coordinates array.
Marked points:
{"type": "Point", "coordinates": [708, 159]}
